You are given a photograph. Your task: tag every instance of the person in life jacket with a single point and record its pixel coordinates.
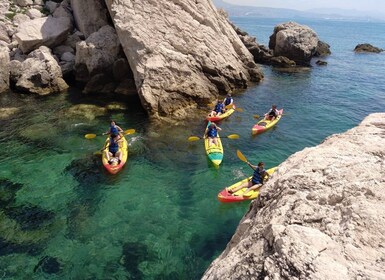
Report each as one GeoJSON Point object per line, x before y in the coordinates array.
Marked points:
{"type": "Point", "coordinates": [218, 109]}
{"type": "Point", "coordinates": [272, 114]}
{"type": "Point", "coordinates": [212, 134]}
{"type": "Point", "coordinates": [256, 181]}
{"type": "Point", "coordinates": [228, 101]}
{"type": "Point", "coordinates": [113, 148]}
{"type": "Point", "coordinates": [114, 129]}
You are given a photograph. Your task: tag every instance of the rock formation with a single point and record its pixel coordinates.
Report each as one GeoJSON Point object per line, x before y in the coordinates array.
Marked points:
{"type": "Point", "coordinates": [39, 73]}
{"type": "Point", "coordinates": [182, 53]}
{"type": "Point", "coordinates": [46, 31]}
{"type": "Point", "coordinates": [296, 42]}
{"type": "Point", "coordinates": [367, 48]}
{"type": "Point", "coordinates": [321, 216]}
{"type": "Point", "coordinates": [4, 69]}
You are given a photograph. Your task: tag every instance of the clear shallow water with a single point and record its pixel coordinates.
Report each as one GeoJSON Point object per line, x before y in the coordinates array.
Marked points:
{"type": "Point", "coordinates": [63, 216]}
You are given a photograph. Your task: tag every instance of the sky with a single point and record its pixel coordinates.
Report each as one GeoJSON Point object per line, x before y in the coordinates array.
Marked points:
{"type": "Point", "coordinates": [360, 5]}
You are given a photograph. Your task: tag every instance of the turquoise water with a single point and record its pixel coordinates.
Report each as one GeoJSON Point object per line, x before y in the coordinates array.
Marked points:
{"type": "Point", "coordinates": [64, 217]}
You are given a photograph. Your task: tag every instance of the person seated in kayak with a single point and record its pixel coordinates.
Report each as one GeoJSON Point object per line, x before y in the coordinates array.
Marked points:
{"type": "Point", "coordinates": [218, 109]}
{"type": "Point", "coordinates": [272, 114]}
{"type": "Point", "coordinates": [113, 148]}
{"type": "Point", "coordinates": [114, 129]}
{"type": "Point", "coordinates": [212, 134]}
{"type": "Point", "coordinates": [255, 182]}
{"type": "Point", "coordinates": [228, 101]}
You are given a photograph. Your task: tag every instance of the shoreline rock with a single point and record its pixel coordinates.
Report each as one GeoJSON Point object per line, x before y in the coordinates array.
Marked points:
{"type": "Point", "coordinates": [367, 48]}
{"type": "Point", "coordinates": [320, 216]}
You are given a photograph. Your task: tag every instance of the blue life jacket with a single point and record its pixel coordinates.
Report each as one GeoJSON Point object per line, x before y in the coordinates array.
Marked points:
{"type": "Point", "coordinates": [114, 130]}
{"type": "Point", "coordinates": [257, 176]}
{"type": "Point", "coordinates": [228, 100]}
{"type": "Point", "coordinates": [218, 107]}
{"type": "Point", "coordinates": [113, 147]}
{"type": "Point", "coordinates": [212, 132]}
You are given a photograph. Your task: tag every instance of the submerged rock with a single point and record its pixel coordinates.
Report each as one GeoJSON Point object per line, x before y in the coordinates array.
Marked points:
{"type": "Point", "coordinates": [182, 53]}
{"type": "Point", "coordinates": [320, 216]}
{"type": "Point", "coordinates": [48, 265]}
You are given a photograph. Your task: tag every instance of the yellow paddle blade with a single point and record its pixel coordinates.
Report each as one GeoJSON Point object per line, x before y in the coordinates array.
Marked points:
{"type": "Point", "coordinates": [193, 138]}
{"type": "Point", "coordinates": [229, 106]}
{"type": "Point", "coordinates": [129, 131]}
{"type": "Point", "coordinates": [90, 136]}
{"type": "Point", "coordinates": [239, 109]}
{"type": "Point", "coordinates": [241, 156]}
{"type": "Point", "coordinates": [256, 116]}
{"type": "Point", "coordinates": [233, 136]}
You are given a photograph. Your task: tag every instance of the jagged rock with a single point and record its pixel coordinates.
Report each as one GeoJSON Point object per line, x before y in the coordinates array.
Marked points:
{"type": "Point", "coordinates": [46, 31]}
{"type": "Point", "coordinates": [51, 6]}
{"type": "Point", "coordinates": [40, 73]}
{"type": "Point", "coordinates": [97, 53]}
{"type": "Point", "coordinates": [64, 10]}
{"type": "Point", "coordinates": [68, 57]}
{"type": "Point", "coordinates": [282, 61]}
{"type": "Point", "coordinates": [367, 48]}
{"type": "Point", "coordinates": [323, 49]}
{"type": "Point", "coordinates": [15, 70]}
{"type": "Point", "coordinates": [181, 53]}
{"type": "Point", "coordinates": [67, 68]}
{"type": "Point", "coordinates": [73, 39]}
{"type": "Point", "coordinates": [294, 41]}
{"type": "Point", "coordinates": [320, 216]}
{"type": "Point", "coordinates": [4, 34]}
{"type": "Point", "coordinates": [19, 19]}
{"type": "Point", "coordinates": [24, 3]}
{"type": "Point", "coordinates": [4, 69]}
{"type": "Point", "coordinates": [34, 13]}
{"type": "Point", "coordinates": [90, 15]}
{"type": "Point", "coordinates": [17, 54]}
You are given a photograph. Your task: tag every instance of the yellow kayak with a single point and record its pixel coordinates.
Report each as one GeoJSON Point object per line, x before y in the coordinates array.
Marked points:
{"type": "Point", "coordinates": [222, 116]}
{"type": "Point", "coordinates": [264, 125]}
{"type": "Point", "coordinates": [214, 152]}
{"type": "Point", "coordinates": [225, 196]}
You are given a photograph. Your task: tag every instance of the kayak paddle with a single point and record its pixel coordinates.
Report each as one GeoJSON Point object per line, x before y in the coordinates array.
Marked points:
{"type": "Point", "coordinates": [92, 135]}
{"type": "Point", "coordinates": [195, 138]}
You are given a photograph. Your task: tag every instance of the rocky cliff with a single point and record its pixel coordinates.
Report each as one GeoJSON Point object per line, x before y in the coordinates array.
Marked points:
{"type": "Point", "coordinates": [182, 53]}
{"type": "Point", "coordinates": [321, 216]}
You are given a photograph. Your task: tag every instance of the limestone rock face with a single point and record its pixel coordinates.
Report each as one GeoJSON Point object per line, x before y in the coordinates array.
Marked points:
{"type": "Point", "coordinates": [181, 52]}
{"type": "Point", "coordinates": [321, 216]}
{"type": "Point", "coordinates": [39, 73]}
{"type": "Point", "coordinates": [46, 31]}
{"type": "Point", "coordinates": [296, 42]}
{"type": "Point", "coordinates": [97, 53]}
{"type": "Point", "coordinates": [90, 15]}
{"type": "Point", "coordinates": [4, 69]}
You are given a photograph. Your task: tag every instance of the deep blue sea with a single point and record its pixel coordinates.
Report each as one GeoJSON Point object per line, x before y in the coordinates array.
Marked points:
{"type": "Point", "coordinates": [63, 217]}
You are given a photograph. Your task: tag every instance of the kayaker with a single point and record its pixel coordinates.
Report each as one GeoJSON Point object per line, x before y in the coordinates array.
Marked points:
{"type": "Point", "coordinates": [218, 109]}
{"type": "Point", "coordinates": [272, 114]}
{"type": "Point", "coordinates": [255, 182]}
{"type": "Point", "coordinates": [228, 101]}
{"type": "Point", "coordinates": [212, 134]}
{"type": "Point", "coordinates": [114, 129]}
{"type": "Point", "coordinates": [113, 148]}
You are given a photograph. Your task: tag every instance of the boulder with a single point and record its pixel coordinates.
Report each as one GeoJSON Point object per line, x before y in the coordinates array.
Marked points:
{"type": "Point", "coordinates": [46, 31]}
{"type": "Point", "coordinates": [321, 63]}
{"type": "Point", "coordinates": [97, 53]}
{"type": "Point", "coordinates": [24, 3]}
{"type": "Point", "coordinates": [40, 73]}
{"type": "Point", "coordinates": [4, 33]}
{"type": "Point", "coordinates": [90, 15]}
{"type": "Point", "coordinates": [294, 41]}
{"type": "Point", "coordinates": [323, 49]}
{"type": "Point", "coordinates": [34, 13]}
{"type": "Point", "coordinates": [320, 216]}
{"type": "Point", "coordinates": [19, 19]}
{"type": "Point", "coordinates": [51, 6]}
{"type": "Point", "coordinates": [367, 48]}
{"type": "Point", "coordinates": [182, 53]}
{"type": "Point", "coordinates": [4, 69]}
